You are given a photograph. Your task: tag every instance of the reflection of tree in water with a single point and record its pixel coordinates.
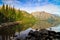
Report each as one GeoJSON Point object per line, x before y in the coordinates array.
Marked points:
{"type": "Point", "coordinates": [50, 22]}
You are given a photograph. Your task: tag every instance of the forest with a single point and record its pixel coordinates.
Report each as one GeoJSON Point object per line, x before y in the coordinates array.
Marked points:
{"type": "Point", "coordinates": [10, 14]}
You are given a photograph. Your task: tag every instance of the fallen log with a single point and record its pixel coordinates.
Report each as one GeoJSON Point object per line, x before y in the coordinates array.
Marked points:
{"type": "Point", "coordinates": [8, 24]}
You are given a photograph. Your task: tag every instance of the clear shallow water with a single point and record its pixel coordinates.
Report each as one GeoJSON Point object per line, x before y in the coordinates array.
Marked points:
{"type": "Point", "coordinates": [55, 28]}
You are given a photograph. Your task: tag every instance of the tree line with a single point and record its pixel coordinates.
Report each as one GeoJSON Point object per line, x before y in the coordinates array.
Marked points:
{"type": "Point", "coordinates": [10, 14]}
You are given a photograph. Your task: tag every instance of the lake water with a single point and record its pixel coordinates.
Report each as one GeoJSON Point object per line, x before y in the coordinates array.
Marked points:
{"type": "Point", "coordinates": [23, 34]}
{"type": "Point", "coordinates": [55, 28]}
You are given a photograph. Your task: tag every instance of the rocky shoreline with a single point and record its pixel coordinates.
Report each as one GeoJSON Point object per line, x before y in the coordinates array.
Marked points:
{"type": "Point", "coordinates": [43, 34]}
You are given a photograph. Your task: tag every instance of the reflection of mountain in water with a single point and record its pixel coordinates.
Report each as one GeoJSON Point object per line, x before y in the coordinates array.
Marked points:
{"type": "Point", "coordinates": [24, 34]}
{"type": "Point", "coordinates": [45, 20]}
{"type": "Point", "coordinates": [44, 24]}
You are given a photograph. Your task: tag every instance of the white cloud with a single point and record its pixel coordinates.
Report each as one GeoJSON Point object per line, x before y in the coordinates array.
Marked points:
{"type": "Point", "coordinates": [53, 9]}
{"type": "Point", "coordinates": [11, 2]}
{"type": "Point", "coordinates": [48, 8]}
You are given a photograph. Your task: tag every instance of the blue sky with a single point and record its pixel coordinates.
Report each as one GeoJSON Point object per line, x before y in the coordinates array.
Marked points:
{"type": "Point", "coordinates": [50, 6]}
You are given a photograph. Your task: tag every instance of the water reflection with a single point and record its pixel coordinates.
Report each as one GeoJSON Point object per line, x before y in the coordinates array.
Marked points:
{"type": "Point", "coordinates": [41, 24]}
{"type": "Point", "coordinates": [55, 28]}
{"type": "Point", "coordinates": [45, 24]}
{"type": "Point", "coordinates": [23, 34]}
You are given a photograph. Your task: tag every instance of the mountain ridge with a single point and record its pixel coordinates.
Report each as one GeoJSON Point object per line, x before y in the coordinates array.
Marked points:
{"type": "Point", "coordinates": [45, 20]}
{"type": "Point", "coordinates": [43, 15]}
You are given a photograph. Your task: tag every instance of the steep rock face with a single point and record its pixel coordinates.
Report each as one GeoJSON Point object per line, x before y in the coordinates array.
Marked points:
{"type": "Point", "coordinates": [45, 20]}
{"type": "Point", "coordinates": [43, 15]}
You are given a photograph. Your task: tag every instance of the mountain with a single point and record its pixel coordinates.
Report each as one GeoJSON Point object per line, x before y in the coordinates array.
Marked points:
{"type": "Point", "coordinates": [43, 15]}
{"type": "Point", "coordinates": [45, 20]}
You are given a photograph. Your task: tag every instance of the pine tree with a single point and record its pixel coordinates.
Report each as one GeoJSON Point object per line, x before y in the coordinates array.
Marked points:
{"type": "Point", "coordinates": [6, 7]}
{"type": "Point", "coordinates": [3, 8]}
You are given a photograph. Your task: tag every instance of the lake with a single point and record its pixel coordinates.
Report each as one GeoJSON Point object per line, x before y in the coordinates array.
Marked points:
{"type": "Point", "coordinates": [55, 28]}
{"type": "Point", "coordinates": [23, 34]}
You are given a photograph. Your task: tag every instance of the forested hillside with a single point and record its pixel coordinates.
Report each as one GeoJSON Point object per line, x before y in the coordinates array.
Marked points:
{"type": "Point", "coordinates": [10, 14]}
